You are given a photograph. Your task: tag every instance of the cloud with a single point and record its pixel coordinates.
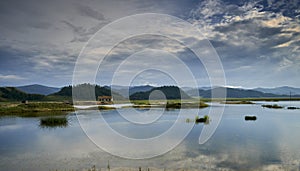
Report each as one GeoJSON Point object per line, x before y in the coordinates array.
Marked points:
{"type": "Point", "coordinates": [89, 12]}
{"type": "Point", "coordinates": [83, 34]}
{"type": "Point", "coordinates": [11, 77]}
{"type": "Point", "coordinates": [43, 39]}
{"type": "Point", "coordinates": [252, 38]}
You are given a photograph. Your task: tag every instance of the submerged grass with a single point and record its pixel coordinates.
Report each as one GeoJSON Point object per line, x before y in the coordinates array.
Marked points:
{"type": "Point", "coordinates": [52, 122]}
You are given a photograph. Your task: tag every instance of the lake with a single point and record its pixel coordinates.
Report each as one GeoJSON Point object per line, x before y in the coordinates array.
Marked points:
{"type": "Point", "coordinates": [269, 143]}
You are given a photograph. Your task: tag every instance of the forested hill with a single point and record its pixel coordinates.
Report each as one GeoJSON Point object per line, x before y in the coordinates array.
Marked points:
{"type": "Point", "coordinates": [170, 92]}
{"type": "Point", "coordinates": [13, 94]}
{"type": "Point", "coordinates": [83, 92]}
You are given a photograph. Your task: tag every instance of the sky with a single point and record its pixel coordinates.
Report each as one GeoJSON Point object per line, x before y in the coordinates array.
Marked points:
{"type": "Point", "coordinates": [257, 42]}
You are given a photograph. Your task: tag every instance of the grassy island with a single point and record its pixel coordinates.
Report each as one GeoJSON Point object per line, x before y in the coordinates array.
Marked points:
{"type": "Point", "coordinates": [170, 104]}
{"type": "Point", "coordinates": [53, 122]}
{"type": "Point", "coordinates": [237, 102]}
{"type": "Point", "coordinates": [275, 106]}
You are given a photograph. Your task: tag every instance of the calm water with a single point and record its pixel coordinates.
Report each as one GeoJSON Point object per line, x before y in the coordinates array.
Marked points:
{"type": "Point", "coordinates": [269, 143]}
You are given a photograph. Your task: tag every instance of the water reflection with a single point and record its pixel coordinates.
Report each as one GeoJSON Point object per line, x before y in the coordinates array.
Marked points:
{"type": "Point", "coordinates": [269, 143]}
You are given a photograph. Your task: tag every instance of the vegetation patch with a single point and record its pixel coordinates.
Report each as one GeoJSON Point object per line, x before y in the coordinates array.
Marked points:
{"type": "Point", "coordinates": [274, 106]}
{"type": "Point", "coordinates": [250, 118]}
{"type": "Point", "coordinates": [293, 108]}
{"type": "Point", "coordinates": [237, 102]}
{"type": "Point", "coordinates": [52, 122]}
{"type": "Point", "coordinates": [186, 105]}
{"type": "Point", "coordinates": [36, 109]}
{"type": "Point", "coordinates": [205, 119]}
{"type": "Point", "coordinates": [171, 104]}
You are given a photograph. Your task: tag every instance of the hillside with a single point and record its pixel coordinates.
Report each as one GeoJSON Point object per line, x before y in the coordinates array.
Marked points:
{"type": "Point", "coordinates": [38, 89]}
{"type": "Point", "coordinates": [233, 93]}
{"type": "Point", "coordinates": [237, 93]}
{"type": "Point", "coordinates": [66, 92]}
{"type": "Point", "coordinates": [123, 90]}
{"type": "Point", "coordinates": [171, 92]}
{"type": "Point", "coordinates": [141, 92]}
{"type": "Point", "coordinates": [284, 90]}
{"type": "Point", "coordinates": [13, 94]}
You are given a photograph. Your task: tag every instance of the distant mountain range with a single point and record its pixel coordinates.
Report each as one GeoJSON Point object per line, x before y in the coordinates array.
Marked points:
{"type": "Point", "coordinates": [40, 92]}
{"type": "Point", "coordinates": [285, 90]}
{"type": "Point", "coordinates": [231, 93]}
{"type": "Point", "coordinates": [65, 93]}
{"type": "Point", "coordinates": [38, 89]}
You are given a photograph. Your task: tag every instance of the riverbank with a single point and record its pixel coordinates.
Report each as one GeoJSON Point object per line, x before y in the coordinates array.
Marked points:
{"type": "Point", "coordinates": [35, 109]}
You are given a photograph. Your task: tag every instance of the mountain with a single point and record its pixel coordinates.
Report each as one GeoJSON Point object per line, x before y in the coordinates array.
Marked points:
{"type": "Point", "coordinates": [66, 92]}
{"type": "Point", "coordinates": [194, 92]}
{"type": "Point", "coordinates": [136, 89]}
{"type": "Point", "coordinates": [232, 93]}
{"type": "Point", "coordinates": [284, 90]}
{"type": "Point", "coordinates": [123, 90]}
{"type": "Point", "coordinates": [13, 94]}
{"type": "Point", "coordinates": [235, 93]}
{"type": "Point", "coordinates": [38, 89]}
{"type": "Point", "coordinates": [170, 92]}
{"type": "Point", "coordinates": [139, 92]}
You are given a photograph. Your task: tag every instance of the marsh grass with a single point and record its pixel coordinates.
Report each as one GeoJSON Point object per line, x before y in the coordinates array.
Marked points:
{"type": "Point", "coordinates": [293, 108]}
{"type": "Point", "coordinates": [237, 102]}
{"type": "Point", "coordinates": [274, 106]}
{"type": "Point", "coordinates": [106, 108]}
{"type": "Point", "coordinates": [205, 119]}
{"type": "Point", "coordinates": [250, 118]}
{"type": "Point", "coordinates": [170, 104]}
{"type": "Point", "coordinates": [52, 122]}
{"type": "Point", "coordinates": [35, 109]}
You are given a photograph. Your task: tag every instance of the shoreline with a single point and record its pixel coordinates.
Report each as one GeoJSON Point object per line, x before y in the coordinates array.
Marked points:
{"type": "Point", "coordinates": [35, 109]}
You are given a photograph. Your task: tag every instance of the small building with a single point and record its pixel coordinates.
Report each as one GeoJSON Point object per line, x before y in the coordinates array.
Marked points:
{"type": "Point", "coordinates": [105, 99]}
{"type": "Point", "coordinates": [24, 101]}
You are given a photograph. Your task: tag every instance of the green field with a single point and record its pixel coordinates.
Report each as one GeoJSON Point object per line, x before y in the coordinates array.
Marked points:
{"type": "Point", "coordinates": [34, 109]}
